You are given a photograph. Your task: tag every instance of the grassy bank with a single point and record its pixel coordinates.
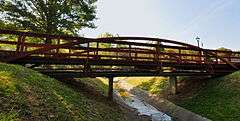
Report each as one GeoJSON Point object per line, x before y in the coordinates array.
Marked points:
{"type": "Point", "coordinates": [218, 100]}
{"type": "Point", "coordinates": [28, 95]}
{"type": "Point", "coordinates": [99, 85]}
{"type": "Point", "coordinates": [153, 85]}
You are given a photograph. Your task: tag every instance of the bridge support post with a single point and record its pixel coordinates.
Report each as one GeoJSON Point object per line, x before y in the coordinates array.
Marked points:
{"type": "Point", "coordinates": [173, 84]}
{"type": "Point", "coordinates": [110, 88]}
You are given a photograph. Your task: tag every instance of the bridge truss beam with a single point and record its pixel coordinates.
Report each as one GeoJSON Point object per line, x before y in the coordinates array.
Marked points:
{"type": "Point", "coordinates": [120, 56]}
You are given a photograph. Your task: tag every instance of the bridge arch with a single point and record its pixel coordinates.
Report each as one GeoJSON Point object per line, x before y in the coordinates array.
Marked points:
{"type": "Point", "coordinates": [149, 53]}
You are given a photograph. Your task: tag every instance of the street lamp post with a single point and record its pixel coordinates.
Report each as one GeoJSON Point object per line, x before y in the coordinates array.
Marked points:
{"type": "Point", "coordinates": [198, 40]}
{"type": "Point", "coordinates": [200, 52]}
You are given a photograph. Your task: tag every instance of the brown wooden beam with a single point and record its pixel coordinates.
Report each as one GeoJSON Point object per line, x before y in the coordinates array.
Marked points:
{"type": "Point", "coordinates": [110, 88]}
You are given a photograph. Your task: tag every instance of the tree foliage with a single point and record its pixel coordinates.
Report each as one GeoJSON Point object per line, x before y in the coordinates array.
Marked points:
{"type": "Point", "coordinates": [105, 35]}
{"type": "Point", "coordinates": [224, 49]}
{"type": "Point", "coordinates": [224, 54]}
{"type": "Point", "coordinates": [49, 16]}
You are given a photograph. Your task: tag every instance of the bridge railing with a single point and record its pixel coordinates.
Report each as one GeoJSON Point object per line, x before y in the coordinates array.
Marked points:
{"type": "Point", "coordinates": [19, 45]}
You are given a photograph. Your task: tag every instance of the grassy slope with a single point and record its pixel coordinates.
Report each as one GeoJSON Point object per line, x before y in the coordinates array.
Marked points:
{"type": "Point", "coordinates": [219, 100]}
{"type": "Point", "coordinates": [28, 95]}
{"type": "Point", "coordinates": [154, 85]}
{"type": "Point", "coordinates": [100, 86]}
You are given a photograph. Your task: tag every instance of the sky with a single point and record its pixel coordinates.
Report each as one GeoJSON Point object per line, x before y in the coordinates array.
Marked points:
{"type": "Point", "coordinates": [216, 22]}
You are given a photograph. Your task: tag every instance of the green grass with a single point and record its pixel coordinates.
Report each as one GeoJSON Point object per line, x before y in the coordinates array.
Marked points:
{"type": "Point", "coordinates": [135, 81]}
{"type": "Point", "coordinates": [154, 85]}
{"type": "Point", "coordinates": [28, 95]}
{"type": "Point", "coordinates": [219, 100]}
{"type": "Point", "coordinates": [100, 85]}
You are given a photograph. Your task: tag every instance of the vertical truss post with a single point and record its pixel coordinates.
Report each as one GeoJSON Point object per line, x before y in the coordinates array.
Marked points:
{"type": "Point", "coordinates": [69, 51]}
{"type": "Point", "coordinates": [20, 44]}
{"type": "Point", "coordinates": [158, 55]}
{"type": "Point", "coordinates": [136, 54]}
{"type": "Point", "coordinates": [180, 54]}
{"type": "Point", "coordinates": [88, 45]}
{"type": "Point", "coordinates": [200, 56]}
{"type": "Point", "coordinates": [96, 52]}
{"type": "Point", "coordinates": [130, 51]}
{"type": "Point", "coordinates": [216, 57]}
{"type": "Point", "coordinates": [97, 48]}
{"type": "Point", "coordinates": [117, 51]}
{"type": "Point", "coordinates": [157, 52]}
{"type": "Point", "coordinates": [87, 67]}
{"type": "Point", "coordinates": [229, 56]}
{"type": "Point", "coordinates": [58, 43]}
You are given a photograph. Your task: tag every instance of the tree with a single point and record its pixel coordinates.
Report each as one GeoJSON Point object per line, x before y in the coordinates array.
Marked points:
{"type": "Point", "coordinates": [49, 16]}
{"type": "Point", "coordinates": [224, 49]}
{"type": "Point", "coordinates": [105, 35]}
{"type": "Point", "coordinates": [225, 52]}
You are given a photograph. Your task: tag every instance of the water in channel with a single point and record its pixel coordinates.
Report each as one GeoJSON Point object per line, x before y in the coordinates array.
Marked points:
{"type": "Point", "coordinates": [141, 106]}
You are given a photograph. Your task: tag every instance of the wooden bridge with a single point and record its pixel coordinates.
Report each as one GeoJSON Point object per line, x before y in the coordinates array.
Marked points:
{"type": "Point", "coordinates": [68, 56]}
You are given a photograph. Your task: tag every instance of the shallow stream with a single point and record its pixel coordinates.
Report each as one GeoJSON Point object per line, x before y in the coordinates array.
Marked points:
{"type": "Point", "coordinates": [141, 106]}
